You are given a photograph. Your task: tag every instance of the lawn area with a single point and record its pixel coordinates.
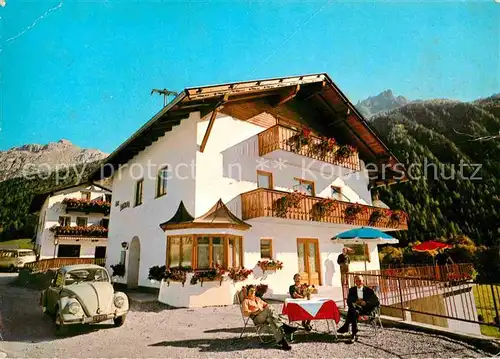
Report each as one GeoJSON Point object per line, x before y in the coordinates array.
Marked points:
{"type": "Point", "coordinates": [24, 243]}
{"type": "Point", "coordinates": [486, 307]}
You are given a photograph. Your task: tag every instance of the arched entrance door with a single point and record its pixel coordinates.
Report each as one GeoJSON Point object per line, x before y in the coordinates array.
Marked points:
{"type": "Point", "coordinates": [134, 261]}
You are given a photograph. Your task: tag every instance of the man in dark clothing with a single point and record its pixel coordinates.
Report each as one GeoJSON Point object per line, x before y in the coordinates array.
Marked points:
{"type": "Point", "coordinates": [343, 260]}
{"type": "Point", "coordinates": [361, 300]}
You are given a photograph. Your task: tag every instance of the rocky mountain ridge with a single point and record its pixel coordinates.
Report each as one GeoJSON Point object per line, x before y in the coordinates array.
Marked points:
{"type": "Point", "coordinates": [33, 158]}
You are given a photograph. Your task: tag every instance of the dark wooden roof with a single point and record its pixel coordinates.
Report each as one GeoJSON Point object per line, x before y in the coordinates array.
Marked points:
{"type": "Point", "coordinates": [219, 216]}
{"type": "Point", "coordinates": [311, 100]}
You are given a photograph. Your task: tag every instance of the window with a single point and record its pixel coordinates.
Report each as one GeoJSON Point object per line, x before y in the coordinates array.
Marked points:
{"type": "Point", "coordinates": [123, 256]}
{"type": "Point", "coordinates": [161, 182]}
{"type": "Point", "coordinates": [138, 192]}
{"type": "Point", "coordinates": [107, 198]}
{"type": "Point", "coordinates": [266, 248]}
{"type": "Point", "coordinates": [336, 193]}
{"type": "Point", "coordinates": [105, 222]}
{"type": "Point", "coordinates": [359, 252]}
{"type": "Point", "coordinates": [64, 221]}
{"type": "Point", "coordinates": [304, 186]}
{"type": "Point", "coordinates": [100, 252]}
{"type": "Point", "coordinates": [264, 179]}
{"type": "Point", "coordinates": [86, 195]}
{"type": "Point", "coordinates": [180, 251]}
{"type": "Point", "coordinates": [203, 251]}
{"type": "Point", "coordinates": [81, 221]}
{"type": "Point", "coordinates": [68, 250]}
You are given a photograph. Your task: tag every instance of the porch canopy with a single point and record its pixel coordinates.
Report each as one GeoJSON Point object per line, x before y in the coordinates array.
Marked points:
{"type": "Point", "coordinates": [219, 216]}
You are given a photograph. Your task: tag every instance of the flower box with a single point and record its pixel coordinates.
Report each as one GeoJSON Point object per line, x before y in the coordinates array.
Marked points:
{"type": "Point", "coordinates": [213, 274]}
{"type": "Point", "coordinates": [83, 231]}
{"type": "Point", "coordinates": [87, 206]}
{"type": "Point", "coordinates": [270, 265]}
{"type": "Point", "coordinates": [352, 211]}
{"type": "Point", "coordinates": [290, 200]}
{"type": "Point", "coordinates": [239, 274]}
{"type": "Point", "coordinates": [324, 206]}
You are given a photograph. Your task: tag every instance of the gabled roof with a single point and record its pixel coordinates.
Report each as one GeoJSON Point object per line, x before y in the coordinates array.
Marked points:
{"type": "Point", "coordinates": [40, 198]}
{"type": "Point", "coordinates": [313, 100]}
{"type": "Point", "coordinates": [219, 216]}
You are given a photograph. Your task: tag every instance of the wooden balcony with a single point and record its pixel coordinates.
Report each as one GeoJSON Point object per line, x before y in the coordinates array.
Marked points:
{"type": "Point", "coordinates": [264, 202]}
{"type": "Point", "coordinates": [279, 137]}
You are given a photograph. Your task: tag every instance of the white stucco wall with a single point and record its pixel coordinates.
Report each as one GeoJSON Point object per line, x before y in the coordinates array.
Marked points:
{"type": "Point", "coordinates": [49, 217]}
{"type": "Point", "coordinates": [177, 149]}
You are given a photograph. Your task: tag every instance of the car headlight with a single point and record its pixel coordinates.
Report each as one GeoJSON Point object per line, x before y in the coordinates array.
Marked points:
{"type": "Point", "coordinates": [74, 307]}
{"type": "Point", "coordinates": [119, 301]}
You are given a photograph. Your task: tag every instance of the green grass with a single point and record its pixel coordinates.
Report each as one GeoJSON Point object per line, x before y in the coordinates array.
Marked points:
{"type": "Point", "coordinates": [485, 306]}
{"type": "Point", "coordinates": [24, 243]}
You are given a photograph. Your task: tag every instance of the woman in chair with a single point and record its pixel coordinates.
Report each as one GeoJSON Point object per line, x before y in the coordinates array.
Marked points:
{"type": "Point", "coordinates": [296, 291]}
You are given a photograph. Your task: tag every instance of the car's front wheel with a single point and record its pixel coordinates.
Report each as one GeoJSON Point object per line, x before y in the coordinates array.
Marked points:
{"type": "Point", "coordinates": [119, 321]}
{"type": "Point", "coordinates": [61, 329]}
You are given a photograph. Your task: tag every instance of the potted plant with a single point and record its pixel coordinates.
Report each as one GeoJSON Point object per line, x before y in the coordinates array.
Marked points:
{"type": "Point", "coordinates": [291, 199]}
{"type": "Point", "coordinates": [298, 140]}
{"type": "Point", "coordinates": [322, 207]}
{"type": "Point", "coordinates": [395, 217]}
{"type": "Point", "coordinates": [343, 152]}
{"type": "Point", "coordinates": [352, 211]}
{"type": "Point", "coordinates": [118, 270]}
{"type": "Point", "coordinates": [270, 265]}
{"type": "Point", "coordinates": [323, 147]}
{"type": "Point", "coordinates": [239, 274]}
{"type": "Point", "coordinates": [215, 273]}
{"type": "Point", "coordinates": [377, 217]}
{"type": "Point", "coordinates": [156, 273]}
{"type": "Point", "coordinates": [308, 290]}
{"type": "Point", "coordinates": [176, 274]}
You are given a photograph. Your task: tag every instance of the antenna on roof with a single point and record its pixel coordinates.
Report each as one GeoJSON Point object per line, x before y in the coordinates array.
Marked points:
{"type": "Point", "coordinates": [165, 94]}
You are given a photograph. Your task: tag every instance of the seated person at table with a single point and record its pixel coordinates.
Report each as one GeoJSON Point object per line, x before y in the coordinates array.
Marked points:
{"type": "Point", "coordinates": [361, 300]}
{"type": "Point", "coordinates": [296, 291]}
{"type": "Point", "coordinates": [260, 312]}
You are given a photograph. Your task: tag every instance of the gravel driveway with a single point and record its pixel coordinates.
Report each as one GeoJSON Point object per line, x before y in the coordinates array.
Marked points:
{"type": "Point", "coordinates": [153, 331]}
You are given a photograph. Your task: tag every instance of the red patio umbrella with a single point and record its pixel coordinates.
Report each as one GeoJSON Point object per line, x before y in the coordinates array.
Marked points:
{"type": "Point", "coordinates": [432, 247]}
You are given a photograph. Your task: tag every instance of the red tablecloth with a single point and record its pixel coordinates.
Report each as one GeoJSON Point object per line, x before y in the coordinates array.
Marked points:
{"type": "Point", "coordinates": [314, 309]}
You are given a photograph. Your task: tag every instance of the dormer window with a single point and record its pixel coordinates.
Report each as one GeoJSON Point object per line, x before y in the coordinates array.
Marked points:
{"type": "Point", "coordinates": [86, 195]}
{"type": "Point", "coordinates": [138, 192]}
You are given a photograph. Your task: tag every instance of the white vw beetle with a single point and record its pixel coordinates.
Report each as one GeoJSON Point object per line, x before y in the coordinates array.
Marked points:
{"type": "Point", "coordinates": [83, 294]}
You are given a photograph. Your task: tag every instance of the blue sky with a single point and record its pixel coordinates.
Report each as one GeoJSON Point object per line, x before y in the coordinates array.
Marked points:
{"type": "Point", "coordinates": [85, 70]}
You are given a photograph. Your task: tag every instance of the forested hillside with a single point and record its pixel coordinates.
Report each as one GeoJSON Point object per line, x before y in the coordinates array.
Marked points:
{"type": "Point", "coordinates": [449, 198]}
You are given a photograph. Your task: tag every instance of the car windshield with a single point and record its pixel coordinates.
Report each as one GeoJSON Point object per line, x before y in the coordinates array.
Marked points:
{"type": "Point", "coordinates": [86, 275]}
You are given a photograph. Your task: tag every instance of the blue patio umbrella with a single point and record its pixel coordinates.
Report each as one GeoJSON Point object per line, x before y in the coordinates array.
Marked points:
{"type": "Point", "coordinates": [364, 235]}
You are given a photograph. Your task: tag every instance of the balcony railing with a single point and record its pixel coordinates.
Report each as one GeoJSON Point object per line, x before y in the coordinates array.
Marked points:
{"type": "Point", "coordinates": [280, 137]}
{"type": "Point", "coordinates": [264, 202]}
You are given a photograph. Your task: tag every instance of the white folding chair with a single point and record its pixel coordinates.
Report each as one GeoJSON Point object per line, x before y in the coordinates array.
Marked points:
{"type": "Point", "coordinates": [247, 320]}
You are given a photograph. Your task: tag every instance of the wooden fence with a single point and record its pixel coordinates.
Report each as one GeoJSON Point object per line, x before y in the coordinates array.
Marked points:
{"type": "Point", "coordinates": [44, 265]}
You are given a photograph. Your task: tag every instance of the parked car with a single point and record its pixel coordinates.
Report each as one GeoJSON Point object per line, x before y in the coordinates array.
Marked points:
{"type": "Point", "coordinates": [83, 294]}
{"type": "Point", "coordinates": [13, 259]}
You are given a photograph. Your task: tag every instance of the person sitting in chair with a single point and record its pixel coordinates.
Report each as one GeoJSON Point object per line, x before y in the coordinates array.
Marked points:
{"type": "Point", "coordinates": [361, 300]}
{"type": "Point", "coordinates": [296, 291]}
{"type": "Point", "coordinates": [260, 312]}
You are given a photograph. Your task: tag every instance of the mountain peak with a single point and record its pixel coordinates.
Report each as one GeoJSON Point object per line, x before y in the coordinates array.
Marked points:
{"type": "Point", "coordinates": [15, 161]}
{"type": "Point", "coordinates": [382, 102]}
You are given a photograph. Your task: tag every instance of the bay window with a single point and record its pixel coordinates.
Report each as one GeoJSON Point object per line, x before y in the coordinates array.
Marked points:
{"type": "Point", "coordinates": [204, 251]}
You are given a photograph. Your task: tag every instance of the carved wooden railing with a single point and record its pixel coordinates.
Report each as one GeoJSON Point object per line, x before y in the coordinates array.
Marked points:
{"type": "Point", "coordinates": [262, 203]}
{"type": "Point", "coordinates": [277, 138]}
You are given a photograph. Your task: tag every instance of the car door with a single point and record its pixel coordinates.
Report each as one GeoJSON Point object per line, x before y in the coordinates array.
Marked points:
{"type": "Point", "coordinates": [53, 291]}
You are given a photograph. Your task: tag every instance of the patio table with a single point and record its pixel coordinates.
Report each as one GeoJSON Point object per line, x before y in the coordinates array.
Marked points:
{"type": "Point", "coordinates": [312, 309]}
